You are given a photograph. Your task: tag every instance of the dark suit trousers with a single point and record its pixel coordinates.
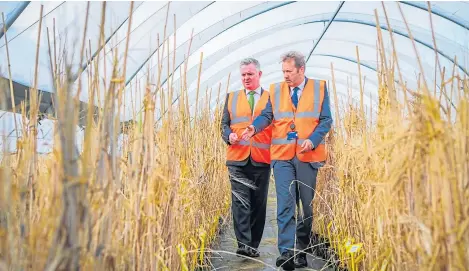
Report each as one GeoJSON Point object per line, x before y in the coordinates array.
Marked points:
{"type": "Point", "coordinates": [295, 183]}
{"type": "Point", "coordinates": [249, 189]}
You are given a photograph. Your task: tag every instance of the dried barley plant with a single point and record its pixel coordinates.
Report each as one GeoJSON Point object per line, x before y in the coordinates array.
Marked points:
{"type": "Point", "coordinates": [155, 205]}
{"type": "Point", "coordinates": [398, 187]}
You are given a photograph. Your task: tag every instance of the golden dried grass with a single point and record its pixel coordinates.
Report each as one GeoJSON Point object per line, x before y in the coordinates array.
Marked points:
{"type": "Point", "coordinates": [399, 186]}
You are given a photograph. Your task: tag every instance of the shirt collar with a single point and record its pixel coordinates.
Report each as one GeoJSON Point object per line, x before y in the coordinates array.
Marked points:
{"type": "Point", "coordinates": [300, 86]}
{"type": "Point", "coordinates": [257, 90]}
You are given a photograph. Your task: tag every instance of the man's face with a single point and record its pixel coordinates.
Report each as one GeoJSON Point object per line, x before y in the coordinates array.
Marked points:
{"type": "Point", "coordinates": [250, 76]}
{"type": "Point", "coordinates": [292, 75]}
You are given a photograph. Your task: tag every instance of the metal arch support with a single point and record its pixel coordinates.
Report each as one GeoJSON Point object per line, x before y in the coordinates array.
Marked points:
{"type": "Point", "coordinates": [342, 58]}
{"type": "Point", "coordinates": [325, 55]}
{"type": "Point", "coordinates": [337, 57]}
{"type": "Point", "coordinates": [368, 24]}
{"type": "Point", "coordinates": [325, 29]}
{"type": "Point", "coordinates": [312, 66]}
{"type": "Point", "coordinates": [396, 32]}
{"type": "Point", "coordinates": [15, 14]}
{"type": "Point", "coordinates": [224, 30]}
{"type": "Point", "coordinates": [221, 32]}
{"type": "Point", "coordinates": [276, 48]}
{"type": "Point", "coordinates": [156, 49]}
{"type": "Point", "coordinates": [438, 13]}
{"type": "Point", "coordinates": [348, 59]}
{"type": "Point", "coordinates": [384, 28]}
{"type": "Point", "coordinates": [363, 23]}
{"type": "Point", "coordinates": [333, 56]}
{"type": "Point", "coordinates": [214, 58]}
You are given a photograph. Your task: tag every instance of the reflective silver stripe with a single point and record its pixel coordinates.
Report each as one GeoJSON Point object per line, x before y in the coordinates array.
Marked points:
{"type": "Point", "coordinates": [317, 97]}
{"type": "Point", "coordinates": [234, 103]}
{"type": "Point", "coordinates": [277, 100]}
{"type": "Point", "coordinates": [282, 115]}
{"type": "Point", "coordinates": [311, 114]}
{"type": "Point", "coordinates": [244, 143]}
{"type": "Point", "coordinates": [300, 141]}
{"type": "Point", "coordinates": [240, 120]}
{"type": "Point", "coordinates": [282, 141]}
{"type": "Point", "coordinates": [261, 145]}
{"type": "Point", "coordinates": [307, 114]}
{"type": "Point", "coordinates": [254, 144]}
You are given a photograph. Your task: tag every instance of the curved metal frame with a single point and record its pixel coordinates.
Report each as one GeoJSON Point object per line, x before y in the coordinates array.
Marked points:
{"type": "Point", "coordinates": [404, 35]}
{"type": "Point", "coordinates": [438, 13]}
{"type": "Point", "coordinates": [214, 36]}
{"type": "Point", "coordinates": [340, 73]}
{"type": "Point", "coordinates": [157, 48]}
{"type": "Point", "coordinates": [15, 14]}
{"type": "Point", "coordinates": [325, 30]}
{"type": "Point", "coordinates": [339, 57]}
{"type": "Point", "coordinates": [394, 31]}
{"type": "Point", "coordinates": [229, 67]}
{"type": "Point", "coordinates": [325, 55]}
{"type": "Point", "coordinates": [215, 57]}
{"type": "Point", "coordinates": [367, 23]}
{"type": "Point", "coordinates": [384, 28]}
{"type": "Point", "coordinates": [338, 81]}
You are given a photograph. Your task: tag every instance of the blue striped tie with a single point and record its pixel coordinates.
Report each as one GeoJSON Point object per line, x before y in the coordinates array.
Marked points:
{"type": "Point", "coordinates": [294, 97]}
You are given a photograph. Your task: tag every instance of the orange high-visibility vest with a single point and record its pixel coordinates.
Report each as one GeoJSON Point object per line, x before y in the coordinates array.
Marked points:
{"type": "Point", "coordinates": [240, 113]}
{"type": "Point", "coordinates": [305, 118]}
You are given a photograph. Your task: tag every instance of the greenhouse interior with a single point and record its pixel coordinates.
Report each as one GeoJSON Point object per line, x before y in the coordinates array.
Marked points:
{"type": "Point", "coordinates": [114, 154]}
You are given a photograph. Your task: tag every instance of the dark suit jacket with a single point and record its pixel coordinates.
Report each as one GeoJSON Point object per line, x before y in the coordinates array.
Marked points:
{"type": "Point", "coordinates": [325, 119]}
{"type": "Point", "coordinates": [225, 134]}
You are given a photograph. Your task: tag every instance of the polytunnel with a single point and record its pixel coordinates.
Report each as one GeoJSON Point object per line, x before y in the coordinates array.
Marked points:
{"type": "Point", "coordinates": [119, 123]}
{"type": "Point", "coordinates": [225, 32]}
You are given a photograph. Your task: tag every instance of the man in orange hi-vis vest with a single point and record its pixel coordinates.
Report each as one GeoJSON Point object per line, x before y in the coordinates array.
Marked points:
{"type": "Point", "coordinates": [299, 113]}
{"type": "Point", "coordinates": [248, 161]}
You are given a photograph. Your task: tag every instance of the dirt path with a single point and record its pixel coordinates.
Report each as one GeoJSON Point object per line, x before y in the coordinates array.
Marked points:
{"type": "Point", "coordinates": [225, 258]}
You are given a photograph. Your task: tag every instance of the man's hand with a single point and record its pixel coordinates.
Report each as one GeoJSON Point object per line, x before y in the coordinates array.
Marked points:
{"type": "Point", "coordinates": [248, 133]}
{"type": "Point", "coordinates": [306, 146]}
{"type": "Point", "coordinates": [233, 138]}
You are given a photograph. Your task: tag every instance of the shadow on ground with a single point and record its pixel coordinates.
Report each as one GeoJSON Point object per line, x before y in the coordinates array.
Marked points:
{"type": "Point", "coordinates": [224, 257]}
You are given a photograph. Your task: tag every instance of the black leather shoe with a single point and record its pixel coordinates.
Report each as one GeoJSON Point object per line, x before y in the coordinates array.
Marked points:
{"type": "Point", "coordinates": [254, 253]}
{"type": "Point", "coordinates": [243, 250]}
{"type": "Point", "coordinates": [286, 261]}
{"type": "Point", "coordinates": [300, 261]}
{"type": "Point", "coordinates": [248, 251]}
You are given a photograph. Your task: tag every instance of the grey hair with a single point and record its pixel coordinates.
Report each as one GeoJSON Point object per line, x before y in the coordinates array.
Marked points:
{"type": "Point", "coordinates": [250, 60]}
{"type": "Point", "coordinates": [295, 55]}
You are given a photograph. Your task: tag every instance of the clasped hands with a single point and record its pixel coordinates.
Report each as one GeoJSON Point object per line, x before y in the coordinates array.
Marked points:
{"type": "Point", "coordinates": [246, 135]}
{"type": "Point", "coordinates": [306, 146]}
